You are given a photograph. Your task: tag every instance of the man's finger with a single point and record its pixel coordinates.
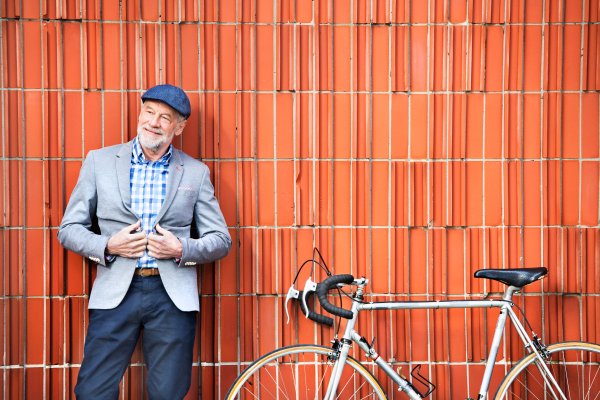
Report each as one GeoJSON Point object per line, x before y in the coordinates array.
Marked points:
{"type": "Point", "coordinates": [141, 241]}
{"type": "Point", "coordinates": [136, 236]}
{"type": "Point", "coordinates": [154, 249]}
{"type": "Point", "coordinates": [139, 246]}
{"type": "Point", "coordinates": [132, 227]}
{"type": "Point", "coordinates": [154, 238]}
{"type": "Point", "coordinates": [161, 230]}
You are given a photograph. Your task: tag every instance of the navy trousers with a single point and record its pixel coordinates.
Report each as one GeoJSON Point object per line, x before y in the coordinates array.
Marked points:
{"type": "Point", "coordinates": [112, 335]}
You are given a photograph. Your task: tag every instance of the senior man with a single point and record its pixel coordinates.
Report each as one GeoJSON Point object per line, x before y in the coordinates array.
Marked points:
{"type": "Point", "coordinates": [132, 212]}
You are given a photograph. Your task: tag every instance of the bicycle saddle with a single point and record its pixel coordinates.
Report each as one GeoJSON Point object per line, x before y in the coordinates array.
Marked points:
{"type": "Point", "coordinates": [513, 276]}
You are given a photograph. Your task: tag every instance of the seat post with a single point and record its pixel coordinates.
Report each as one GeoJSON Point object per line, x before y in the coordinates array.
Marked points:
{"type": "Point", "coordinates": [509, 292]}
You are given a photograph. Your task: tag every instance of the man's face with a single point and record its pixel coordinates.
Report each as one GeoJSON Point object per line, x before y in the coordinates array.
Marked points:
{"type": "Point", "coordinates": [157, 125]}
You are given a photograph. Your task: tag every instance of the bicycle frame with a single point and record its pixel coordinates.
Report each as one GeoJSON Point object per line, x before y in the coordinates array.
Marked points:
{"type": "Point", "coordinates": [505, 305]}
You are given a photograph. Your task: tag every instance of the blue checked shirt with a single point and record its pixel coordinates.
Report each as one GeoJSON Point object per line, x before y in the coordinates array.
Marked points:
{"type": "Point", "coordinates": [148, 184]}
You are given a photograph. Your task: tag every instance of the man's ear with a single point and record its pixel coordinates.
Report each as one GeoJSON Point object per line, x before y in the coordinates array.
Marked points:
{"type": "Point", "coordinates": [180, 127]}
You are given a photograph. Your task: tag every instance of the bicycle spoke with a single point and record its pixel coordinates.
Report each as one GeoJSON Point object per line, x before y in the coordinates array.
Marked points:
{"type": "Point", "coordinates": [338, 396]}
{"type": "Point", "coordinates": [589, 379]}
{"type": "Point", "coordinates": [591, 382]}
{"type": "Point", "coordinates": [538, 382]}
{"type": "Point", "coordinates": [582, 373]}
{"type": "Point", "coordinates": [548, 382]}
{"type": "Point", "coordinates": [248, 390]}
{"type": "Point", "coordinates": [367, 395]}
{"type": "Point", "coordinates": [556, 379]}
{"type": "Point", "coordinates": [292, 367]}
{"type": "Point", "coordinates": [514, 394]}
{"type": "Point", "coordinates": [320, 383]}
{"type": "Point", "coordinates": [275, 381]}
{"type": "Point", "coordinates": [275, 397]}
{"type": "Point", "coordinates": [282, 381]}
{"type": "Point", "coordinates": [305, 384]}
{"type": "Point", "coordinates": [529, 390]}
{"type": "Point", "coordinates": [357, 390]}
{"type": "Point", "coordinates": [566, 375]}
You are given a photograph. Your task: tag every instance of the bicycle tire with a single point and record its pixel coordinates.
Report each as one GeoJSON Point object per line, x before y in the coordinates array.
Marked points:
{"type": "Point", "coordinates": [276, 361]}
{"type": "Point", "coordinates": [524, 379]}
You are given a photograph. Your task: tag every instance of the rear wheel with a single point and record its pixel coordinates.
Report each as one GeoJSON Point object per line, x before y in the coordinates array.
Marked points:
{"type": "Point", "coordinates": [574, 365]}
{"type": "Point", "coordinates": [303, 372]}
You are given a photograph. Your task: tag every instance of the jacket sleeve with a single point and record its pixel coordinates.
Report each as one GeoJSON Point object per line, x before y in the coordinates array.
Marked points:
{"type": "Point", "coordinates": [214, 241]}
{"type": "Point", "coordinates": [75, 232]}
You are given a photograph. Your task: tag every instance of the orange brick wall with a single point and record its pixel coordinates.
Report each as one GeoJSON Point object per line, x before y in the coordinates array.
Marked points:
{"type": "Point", "coordinates": [412, 143]}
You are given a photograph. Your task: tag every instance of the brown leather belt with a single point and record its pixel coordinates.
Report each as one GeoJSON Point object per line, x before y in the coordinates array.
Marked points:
{"type": "Point", "coordinates": [146, 271]}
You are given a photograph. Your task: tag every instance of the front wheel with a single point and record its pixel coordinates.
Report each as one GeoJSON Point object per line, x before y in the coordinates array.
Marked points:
{"type": "Point", "coordinates": [302, 372]}
{"type": "Point", "coordinates": [575, 366]}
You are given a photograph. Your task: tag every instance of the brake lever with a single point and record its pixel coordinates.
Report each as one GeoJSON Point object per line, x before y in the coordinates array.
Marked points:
{"type": "Point", "coordinates": [292, 294]}
{"type": "Point", "coordinates": [309, 286]}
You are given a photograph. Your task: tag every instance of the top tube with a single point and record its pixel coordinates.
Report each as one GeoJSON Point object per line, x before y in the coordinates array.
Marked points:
{"type": "Point", "coordinates": [435, 304]}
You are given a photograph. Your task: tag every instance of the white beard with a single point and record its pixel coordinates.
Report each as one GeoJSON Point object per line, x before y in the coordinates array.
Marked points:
{"type": "Point", "coordinates": [150, 142]}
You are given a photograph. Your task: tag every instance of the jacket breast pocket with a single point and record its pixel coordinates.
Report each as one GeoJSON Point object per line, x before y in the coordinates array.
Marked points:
{"type": "Point", "coordinates": [185, 199]}
{"type": "Point", "coordinates": [187, 194]}
{"type": "Point", "coordinates": [181, 210]}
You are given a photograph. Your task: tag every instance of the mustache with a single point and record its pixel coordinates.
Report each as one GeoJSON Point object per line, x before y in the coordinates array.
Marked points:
{"type": "Point", "coordinates": [155, 130]}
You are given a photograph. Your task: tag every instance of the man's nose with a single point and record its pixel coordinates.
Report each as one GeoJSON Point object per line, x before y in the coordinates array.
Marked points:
{"type": "Point", "coordinates": [154, 121]}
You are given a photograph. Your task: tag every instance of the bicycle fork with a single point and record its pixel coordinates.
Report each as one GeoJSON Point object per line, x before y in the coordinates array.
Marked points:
{"type": "Point", "coordinates": [338, 368]}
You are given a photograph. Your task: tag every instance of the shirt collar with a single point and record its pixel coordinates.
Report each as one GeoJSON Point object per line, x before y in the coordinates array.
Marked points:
{"type": "Point", "coordinates": [137, 155]}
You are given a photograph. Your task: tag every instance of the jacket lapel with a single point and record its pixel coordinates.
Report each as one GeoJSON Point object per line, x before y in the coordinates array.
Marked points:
{"type": "Point", "coordinates": [123, 174]}
{"type": "Point", "coordinates": [175, 174]}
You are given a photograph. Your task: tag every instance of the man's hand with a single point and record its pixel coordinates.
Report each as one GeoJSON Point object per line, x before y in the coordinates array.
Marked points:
{"type": "Point", "coordinates": [165, 246]}
{"type": "Point", "coordinates": [127, 244]}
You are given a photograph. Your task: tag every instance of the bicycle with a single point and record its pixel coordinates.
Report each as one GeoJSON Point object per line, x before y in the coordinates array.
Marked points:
{"type": "Point", "coordinates": [320, 372]}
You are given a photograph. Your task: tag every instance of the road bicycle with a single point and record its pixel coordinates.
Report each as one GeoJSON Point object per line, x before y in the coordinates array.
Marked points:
{"type": "Point", "coordinates": [560, 371]}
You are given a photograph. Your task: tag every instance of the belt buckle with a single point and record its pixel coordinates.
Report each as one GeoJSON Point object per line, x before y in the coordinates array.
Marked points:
{"type": "Point", "coordinates": [147, 271]}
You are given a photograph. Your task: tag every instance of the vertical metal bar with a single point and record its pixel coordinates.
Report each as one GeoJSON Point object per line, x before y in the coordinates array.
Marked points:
{"type": "Point", "coordinates": [339, 364]}
{"type": "Point", "coordinates": [489, 366]}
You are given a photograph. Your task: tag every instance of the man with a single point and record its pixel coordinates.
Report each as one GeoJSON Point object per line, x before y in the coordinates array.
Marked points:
{"type": "Point", "coordinates": [142, 198]}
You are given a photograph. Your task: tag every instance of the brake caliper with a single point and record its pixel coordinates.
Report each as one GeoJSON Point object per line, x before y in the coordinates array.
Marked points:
{"type": "Point", "coordinates": [336, 346]}
{"type": "Point", "coordinates": [541, 347]}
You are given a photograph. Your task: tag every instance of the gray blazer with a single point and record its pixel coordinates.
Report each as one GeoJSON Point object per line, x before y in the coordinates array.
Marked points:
{"type": "Point", "coordinates": [103, 193]}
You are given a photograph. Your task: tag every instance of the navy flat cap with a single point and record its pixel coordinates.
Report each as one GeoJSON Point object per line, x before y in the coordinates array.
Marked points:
{"type": "Point", "coordinates": [171, 96]}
